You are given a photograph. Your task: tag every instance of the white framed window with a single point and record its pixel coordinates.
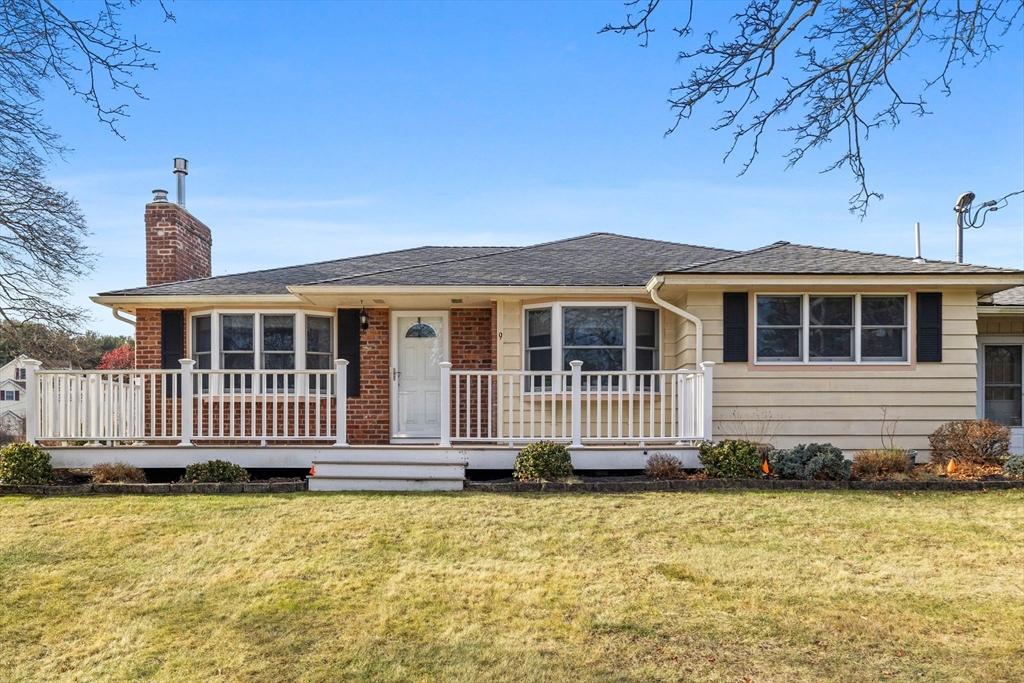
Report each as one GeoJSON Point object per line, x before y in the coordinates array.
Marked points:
{"type": "Point", "coordinates": [19, 374]}
{"type": "Point", "coordinates": [10, 395]}
{"type": "Point", "coordinates": [606, 336]}
{"type": "Point", "coordinates": [831, 328]}
{"type": "Point", "coordinates": [261, 340]}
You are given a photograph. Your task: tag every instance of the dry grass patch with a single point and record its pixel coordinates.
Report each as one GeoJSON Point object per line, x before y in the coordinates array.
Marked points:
{"type": "Point", "coordinates": [844, 586]}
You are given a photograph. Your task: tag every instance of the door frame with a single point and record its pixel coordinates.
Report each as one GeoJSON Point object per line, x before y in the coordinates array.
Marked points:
{"type": "Point", "coordinates": [393, 366]}
{"type": "Point", "coordinates": [991, 340]}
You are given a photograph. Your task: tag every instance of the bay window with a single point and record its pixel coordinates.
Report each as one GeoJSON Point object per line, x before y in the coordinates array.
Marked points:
{"type": "Point", "coordinates": [606, 337]}
{"type": "Point", "coordinates": [831, 328]}
{"type": "Point", "coordinates": [318, 342]}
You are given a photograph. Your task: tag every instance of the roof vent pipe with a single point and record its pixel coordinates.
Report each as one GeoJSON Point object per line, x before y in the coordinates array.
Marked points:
{"type": "Point", "coordinates": [917, 243]}
{"type": "Point", "coordinates": [181, 170]}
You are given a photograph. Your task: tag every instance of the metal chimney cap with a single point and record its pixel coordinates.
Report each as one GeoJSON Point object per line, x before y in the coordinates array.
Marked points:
{"type": "Point", "coordinates": [160, 196]}
{"type": "Point", "coordinates": [181, 165]}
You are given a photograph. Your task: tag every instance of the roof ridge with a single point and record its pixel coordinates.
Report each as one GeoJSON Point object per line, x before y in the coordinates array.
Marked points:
{"type": "Point", "coordinates": [313, 263]}
{"type": "Point", "coordinates": [508, 250]}
{"type": "Point", "coordinates": [905, 258]}
{"type": "Point", "coordinates": [651, 239]}
{"type": "Point", "coordinates": [738, 254]}
{"type": "Point", "coordinates": [442, 262]}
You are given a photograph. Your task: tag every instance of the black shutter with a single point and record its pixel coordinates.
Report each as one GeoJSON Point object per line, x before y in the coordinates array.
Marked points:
{"type": "Point", "coordinates": [172, 339]}
{"type": "Point", "coordinates": [929, 327]}
{"type": "Point", "coordinates": [734, 342]}
{"type": "Point", "coordinates": [348, 345]}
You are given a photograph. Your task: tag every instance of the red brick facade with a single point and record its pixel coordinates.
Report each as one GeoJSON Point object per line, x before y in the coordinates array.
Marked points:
{"type": "Point", "coordinates": [473, 347]}
{"type": "Point", "coordinates": [147, 338]}
{"type": "Point", "coordinates": [178, 245]}
{"type": "Point", "coordinates": [473, 338]}
{"type": "Point", "coordinates": [369, 414]}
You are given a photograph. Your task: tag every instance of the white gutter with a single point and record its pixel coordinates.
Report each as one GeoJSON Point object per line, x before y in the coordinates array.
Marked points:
{"type": "Point", "coordinates": [652, 287]}
{"type": "Point", "coordinates": [116, 310]}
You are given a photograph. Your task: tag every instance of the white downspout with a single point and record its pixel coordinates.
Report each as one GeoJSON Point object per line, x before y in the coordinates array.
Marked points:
{"type": "Point", "coordinates": [652, 288]}
{"type": "Point", "coordinates": [120, 316]}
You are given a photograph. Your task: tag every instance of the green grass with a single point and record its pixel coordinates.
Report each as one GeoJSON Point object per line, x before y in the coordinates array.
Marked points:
{"type": "Point", "coordinates": [732, 586]}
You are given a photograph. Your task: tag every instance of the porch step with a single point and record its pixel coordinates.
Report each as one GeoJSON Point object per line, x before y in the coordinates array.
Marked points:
{"type": "Point", "coordinates": [378, 484]}
{"type": "Point", "coordinates": [387, 473]}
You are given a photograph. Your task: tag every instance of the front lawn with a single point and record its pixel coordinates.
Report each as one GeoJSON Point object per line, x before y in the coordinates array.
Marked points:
{"type": "Point", "coordinates": [765, 586]}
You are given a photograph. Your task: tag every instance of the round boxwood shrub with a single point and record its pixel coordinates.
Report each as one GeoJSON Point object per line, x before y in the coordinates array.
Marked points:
{"type": "Point", "coordinates": [25, 464]}
{"type": "Point", "coordinates": [1014, 466]}
{"type": "Point", "coordinates": [821, 461]}
{"type": "Point", "coordinates": [731, 459]}
{"type": "Point", "coordinates": [543, 461]}
{"type": "Point", "coordinates": [214, 471]}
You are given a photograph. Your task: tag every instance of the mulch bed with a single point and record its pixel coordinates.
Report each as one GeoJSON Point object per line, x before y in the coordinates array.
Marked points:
{"type": "Point", "coordinates": [630, 484]}
{"type": "Point", "coordinates": [290, 486]}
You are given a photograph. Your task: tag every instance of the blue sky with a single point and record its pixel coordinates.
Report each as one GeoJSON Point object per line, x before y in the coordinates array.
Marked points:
{"type": "Point", "coordinates": [320, 130]}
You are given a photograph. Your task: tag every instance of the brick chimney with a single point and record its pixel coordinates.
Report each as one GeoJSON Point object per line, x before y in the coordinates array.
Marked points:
{"type": "Point", "coordinates": [177, 243]}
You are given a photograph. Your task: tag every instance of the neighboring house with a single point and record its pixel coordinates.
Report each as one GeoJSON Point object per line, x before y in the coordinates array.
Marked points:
{"type": "Point", "coordinates": [12, 397]}
{"type": "Point", "coordinates": [808, 344]}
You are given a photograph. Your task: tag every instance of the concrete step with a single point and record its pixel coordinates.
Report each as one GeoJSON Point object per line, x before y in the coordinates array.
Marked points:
{"type": "Point", "coordinates": [389, 469]}
{"type": "Point", "coordinates": [332, 483]}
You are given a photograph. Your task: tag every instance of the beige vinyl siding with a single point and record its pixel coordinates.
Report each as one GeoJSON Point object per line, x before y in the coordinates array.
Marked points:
{"type": "Point", "coordinates": [843, 405]}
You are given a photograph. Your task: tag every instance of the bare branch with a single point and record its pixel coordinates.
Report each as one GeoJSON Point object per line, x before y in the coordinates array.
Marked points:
{"type": "Point", "coordinates": [828, 67]}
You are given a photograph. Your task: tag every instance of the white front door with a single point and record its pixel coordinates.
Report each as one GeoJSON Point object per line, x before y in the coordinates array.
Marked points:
{"type": "Point", "coordinates": [419, 347]}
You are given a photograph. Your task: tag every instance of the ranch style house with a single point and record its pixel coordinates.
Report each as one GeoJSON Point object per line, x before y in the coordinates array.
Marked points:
{"type": "Point", "coordinates": [401, 369]}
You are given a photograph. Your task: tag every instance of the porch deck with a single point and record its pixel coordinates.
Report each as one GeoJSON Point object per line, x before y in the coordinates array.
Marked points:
{"type": "Point", "coordinates": [296, 419]}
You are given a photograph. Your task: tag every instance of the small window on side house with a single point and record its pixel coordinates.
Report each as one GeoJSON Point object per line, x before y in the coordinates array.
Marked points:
{"type": "Point", "coordinates": [780, 328]}
{"type": "Point", "coordinates": [883, 325]}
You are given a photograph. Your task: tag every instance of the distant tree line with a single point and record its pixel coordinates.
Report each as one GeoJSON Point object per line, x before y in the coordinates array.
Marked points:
{"type": "Point", "coordinates": [58, 348]}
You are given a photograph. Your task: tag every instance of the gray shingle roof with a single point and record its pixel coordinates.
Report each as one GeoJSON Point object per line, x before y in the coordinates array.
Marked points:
{"type": "Point", "coordinates": [597, 259]}
{"type": "Point", "coordinates": [1009, 297]}
{"type": "Point", "coordinates": [277, 280]}
{"type": "Point", "coordinates": [787, 258]}
{"type": "Point", "coordinates": [589, 260]}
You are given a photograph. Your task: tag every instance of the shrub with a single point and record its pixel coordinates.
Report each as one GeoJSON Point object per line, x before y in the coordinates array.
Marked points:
{"type": "Point", "coordinates": [978, 442]}
{"type": "Point", "coordinates": [730, 459]}
{"type": "Point", "coordinates": [117, 473]}
{"type": "Point", "coordinates": [1014, 466]}
{"type": "Point", "coordinates": [215, 471]}
{"type": "Point", "coordinates": [664, 466]}
{"type": "Point", "coordinates": [879, 462]}
{"type": "Point", "coordinates": [24, 464]}
{"type": "Point", "coordinates": [543, 461]}
{"type": "Point", "coordinates": [821, 461]}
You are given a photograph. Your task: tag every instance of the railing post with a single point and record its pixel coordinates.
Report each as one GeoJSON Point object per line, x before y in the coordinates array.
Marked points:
{"type": "Point", "coordinates": [340, 402]}
{"type": "Point", "coordinates": [446, 404]}
{"type": "Point", "coordinates": [31, 399]}
{"type": "Point", "coordinates": [186, 400]}
{"type": "Point", "coordinates": [680, 389]}
{"type": "Point", "coordinates": [708, 368]}
{"type": "Point", "coordinates": [577, 403]}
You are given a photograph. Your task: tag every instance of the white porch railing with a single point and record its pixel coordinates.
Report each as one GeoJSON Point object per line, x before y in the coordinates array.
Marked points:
{"type": "Point", "coordinates": [187, 405]}
{"type": "Point", "coordinates": [654, 406]}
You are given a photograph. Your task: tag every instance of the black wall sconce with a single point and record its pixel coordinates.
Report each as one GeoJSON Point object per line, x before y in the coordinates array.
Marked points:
{"type": "Point", "coordinates": [364, 319]}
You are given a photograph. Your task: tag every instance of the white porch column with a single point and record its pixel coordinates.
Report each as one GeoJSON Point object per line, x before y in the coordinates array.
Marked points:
{"type": "Point", "coordinates": [446, 404]}
{"type": "Point", "coordinates": [31, 399]}
{"type": "Point", "coordinates": [340, 402]}
{"type": "Point", "coordinates": [708, 368]}
{"type": "Point", "coordinates": [186, 400]}
{"type": "Point", "coordinates": [577, 407]}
